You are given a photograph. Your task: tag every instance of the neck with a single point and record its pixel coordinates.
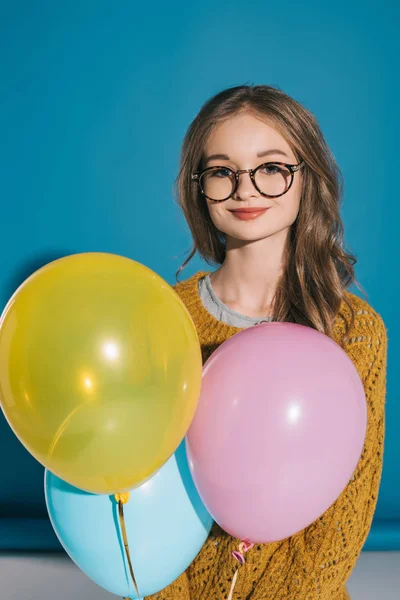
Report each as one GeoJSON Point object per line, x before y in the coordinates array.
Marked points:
{"type": "Point", "coordinates": [248, 278]}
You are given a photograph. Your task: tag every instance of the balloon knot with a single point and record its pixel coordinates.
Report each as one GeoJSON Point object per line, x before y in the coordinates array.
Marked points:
{"type": "Point", "coordinates": [122, 497]}
{"type": "Point", "coordinates": [243, 548]}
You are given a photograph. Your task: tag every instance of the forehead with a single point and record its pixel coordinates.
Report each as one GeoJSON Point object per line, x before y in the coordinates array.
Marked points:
{"type": "Point", "coordinates": [242, 136]}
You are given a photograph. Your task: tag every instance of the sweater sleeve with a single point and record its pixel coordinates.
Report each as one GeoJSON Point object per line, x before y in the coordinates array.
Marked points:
{"type": "Point", "coordinates": [316, 563]}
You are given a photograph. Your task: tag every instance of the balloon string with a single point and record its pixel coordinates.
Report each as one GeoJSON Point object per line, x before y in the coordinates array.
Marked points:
{"type": "Point", "coordinates": [239, 556]}
{"type": "Point", "coordinates": [233, 584]}
{"type": "Point", "coordinates": [123, 499]}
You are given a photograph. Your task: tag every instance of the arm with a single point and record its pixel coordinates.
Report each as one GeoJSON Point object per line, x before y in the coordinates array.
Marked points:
{"type": "Point", "coordinates": [315, 563]}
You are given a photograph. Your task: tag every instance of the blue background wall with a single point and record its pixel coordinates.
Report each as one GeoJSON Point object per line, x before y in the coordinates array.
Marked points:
{"type": "Point", "coordinates": [95, 98]}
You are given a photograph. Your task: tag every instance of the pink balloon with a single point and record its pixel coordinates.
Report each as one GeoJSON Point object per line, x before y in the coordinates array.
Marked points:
{"type": "Point", "coordinates": [278, 431]}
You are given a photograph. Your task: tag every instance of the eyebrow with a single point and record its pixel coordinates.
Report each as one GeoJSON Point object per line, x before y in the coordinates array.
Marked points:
{"type": "Point", "coordinates": [259, 154]}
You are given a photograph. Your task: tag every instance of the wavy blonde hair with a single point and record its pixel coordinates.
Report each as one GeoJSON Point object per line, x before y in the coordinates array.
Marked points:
{"type": "Point", "coordinates": [318, 268]}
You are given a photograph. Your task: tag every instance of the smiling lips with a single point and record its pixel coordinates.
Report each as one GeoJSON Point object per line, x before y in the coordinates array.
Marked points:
{"type": "Point", "coordinates": [247, 214]}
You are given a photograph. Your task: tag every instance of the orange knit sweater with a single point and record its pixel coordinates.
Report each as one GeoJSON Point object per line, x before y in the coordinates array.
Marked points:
{"type": "Point", "coordinates": [316, 562]}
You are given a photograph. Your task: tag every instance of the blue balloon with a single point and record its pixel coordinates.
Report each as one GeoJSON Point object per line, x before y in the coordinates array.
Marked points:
{"type": "Point", "coordinates": [166, 523]}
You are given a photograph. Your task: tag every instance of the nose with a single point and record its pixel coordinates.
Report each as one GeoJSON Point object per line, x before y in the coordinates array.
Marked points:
{"type": "Point", "coordinates": [245, 188]}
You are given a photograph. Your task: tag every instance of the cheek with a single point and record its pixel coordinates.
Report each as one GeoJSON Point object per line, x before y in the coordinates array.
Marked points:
{"type": "Point", "coordinates": [290, 203]}
{"type": "Point", "coordinates": [218, 215]}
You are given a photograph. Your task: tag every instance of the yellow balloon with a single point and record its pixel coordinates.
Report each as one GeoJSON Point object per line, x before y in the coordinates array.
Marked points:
{"type": "Point", "coordinates": [100, 370]}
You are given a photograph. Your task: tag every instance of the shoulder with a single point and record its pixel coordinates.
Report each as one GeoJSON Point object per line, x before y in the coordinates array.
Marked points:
{"type": "Point", "coordinates": [187, 289]}
{"type": "Point", "coordinates": [366, 343]}
{"type": "Point", "coordinates": [180, 285]}
{"type": "Point", "coordinates": [368, 321]}
{"type": "Point", "coordinates": [188, 292]}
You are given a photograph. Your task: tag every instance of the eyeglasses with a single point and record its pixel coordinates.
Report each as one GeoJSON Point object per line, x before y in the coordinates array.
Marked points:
{"type": "Point", "coordinates": [271, 179]}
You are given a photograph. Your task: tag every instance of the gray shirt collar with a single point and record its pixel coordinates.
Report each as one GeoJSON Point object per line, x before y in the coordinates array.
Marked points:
{"type": "Point", "coordinates": [220, 311]}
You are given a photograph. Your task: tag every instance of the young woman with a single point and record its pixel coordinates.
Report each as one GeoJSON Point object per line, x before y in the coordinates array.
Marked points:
{"type": "Point", "coordinates": [261, 193]}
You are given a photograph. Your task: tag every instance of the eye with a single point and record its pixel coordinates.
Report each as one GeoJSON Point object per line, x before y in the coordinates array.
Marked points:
{"type": "Point", "coordinates": [220, 173]}
{"type": "Point", "coordinates": [271, 169]}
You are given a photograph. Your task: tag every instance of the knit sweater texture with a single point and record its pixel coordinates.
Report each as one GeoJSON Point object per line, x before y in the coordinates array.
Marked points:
{"type": "Point", "coordinates": [315, 563]}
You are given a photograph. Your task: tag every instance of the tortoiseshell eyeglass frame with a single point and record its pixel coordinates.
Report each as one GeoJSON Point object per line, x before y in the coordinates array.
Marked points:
{"type": "Point", "coordinates": [197, 175]}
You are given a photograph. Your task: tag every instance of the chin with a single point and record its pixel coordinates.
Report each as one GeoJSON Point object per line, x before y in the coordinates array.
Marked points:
{"type": "Point", "coordinates": [251, 235]}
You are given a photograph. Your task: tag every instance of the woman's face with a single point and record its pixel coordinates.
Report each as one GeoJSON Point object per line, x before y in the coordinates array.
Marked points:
{"type": "Point", "coordinates": [241, 139]}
